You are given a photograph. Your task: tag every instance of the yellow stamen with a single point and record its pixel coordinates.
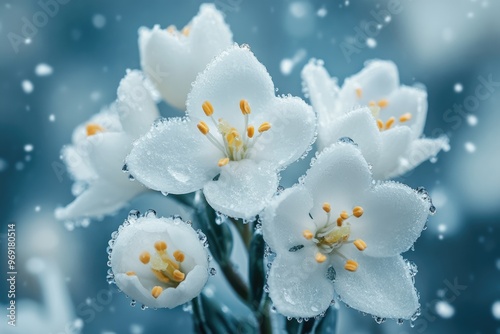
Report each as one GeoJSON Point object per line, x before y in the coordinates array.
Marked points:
{"type": "Point", "coordinates": [93, 128]}
{"type": "Point", "coordinates": [264, 127]}
{"type": "Point", "coordinates": [145, 257]}
{"type": "Point", "coordinates": [372, 104]}
{"type": "Point", "coordinates": [160, 246]}
{"type": "Point", "coordinates": [405, 117]}
{"type": "Point", "coordinates": [339, 221]}
{"type": "Point", "coordinates": [156, 291]}
{"type": "Point", "coordinates": [344, 215]}
{"type": "Point", "coordinates": [389, 123]}
{"type": "Point", "coordinates": [327, 207]}
{"type": "Point", "coordinates": [307, 234]}
{"type": "Point", "coordinates": [351, 265]}
{"type": "Point", "coordinates": [186, 30]}
{"type": "Point", "coordinates": [320, 257]}
{"type": "Point", "coordinates": [160, 276]}
{"type": "Point", "coordinates": [380, 124]}
{"type": "Point", "coordinates": [203, 127]}
{"type": "Point", "coordinates": [207, 107]}
{"type": "Point", "coordinates": [130, 273]}
{"type": "Point", "coordinates": [383, 103]}
{"type": "Point", "coordinates": [171, 29]}
{"type": "Point", "coordinates": [360, 244]}
{"type": "Point", "coordinates": [223, 162]}
{"type": "Point", "coordinates": [245, 107]}
{"type": "Point", "coordinates": [179, 256]}
{"type": "Point", "coordinates": [179, 276]}
{"type": "Point", "coordinates": [359, 93]}
{"type": "Point", "coordinates": [250, 131]}
{"type": "Point", "coordinates": [357, 211]}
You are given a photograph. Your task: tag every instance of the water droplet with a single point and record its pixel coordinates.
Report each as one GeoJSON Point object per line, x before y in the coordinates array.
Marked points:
{"type": "Point", "coordinates": [164, 193]}
{"type": "Point", "coordinates": [379, 320]}
{"type": "Point", "coordinates": [125, 168]}
{"type": "Point", "coordinates": [296, 248]}
{"type": "Point", "coordinates": [132, 303]}
{"type": "Point", "coordinates": [212, 271]}
{"type": "Point", "coordinates": [331, 274]}
{"type": "Point", "coordinates": [150, 213]}
{"type": "Point", "coordinates": [133, 215]}
{"type": "Point", "coordinates": [346, 140]}
{"type": "Point", "coordinates": [400, 321]}
{"type": "Point", "coordinates": [143, 307]}
{"type": "Point", "coordinates": [131, 177]}
{"type": "Point", "coordinates": [245, 46]}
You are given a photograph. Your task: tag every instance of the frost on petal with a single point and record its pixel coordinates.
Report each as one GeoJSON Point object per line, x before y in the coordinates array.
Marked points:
{"type": "Point", "coordinates": [135, 105]}
{"type": "Point", "coordinates": [174, 157]}
{"type": "Point", "coordinates": [419, 151]}
{"type": "Point", "coordinates": [172, 58]}
{"type": "Point", "coordinates": [298, 285]}
{"type": "Point", "coordinates": [394, 216]}
{"type": "Point", "coordinates": [337, 176]}
{"type": "Point", "coordinates": [141, 269]}
{"type": "Point", "coordinates": [243, 188]}
{"type": "Point", "coordinates": [234, 75]}
{"type": "Point", "coordinates": [395, 143]}
{"type": "Point", "coordinates": [293, 126]}
{"type": "Point", "coordinates": [376, 81]}
{"type": "Point", "coordinates": [408, 100]}
{"type": "Point", "coordinates": [99, 199]}
{"type": "Point", "coordinates": [286, 218]}
{"type": "Point", "coordinates": [382, 287]}
{"type": "Point", "coordinates": [323, 92]}
{"type": "Point", "coordinates": [360, 126]}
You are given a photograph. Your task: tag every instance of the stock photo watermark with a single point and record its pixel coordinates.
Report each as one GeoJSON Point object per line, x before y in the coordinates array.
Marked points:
{"type": "Point", "coordinates": [31, 24]}
{"type": "Point", "coordinates": [11, 274]}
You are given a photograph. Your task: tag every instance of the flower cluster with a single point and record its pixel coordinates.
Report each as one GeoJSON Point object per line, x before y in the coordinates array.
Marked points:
{"type": "Point", "coordinates": [338, 232]}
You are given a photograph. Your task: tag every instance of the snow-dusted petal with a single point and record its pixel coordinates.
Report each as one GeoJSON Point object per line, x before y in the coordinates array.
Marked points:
{"type": "Point", "coordinates": [358, 125]}
{"type": "Point", "coordinates": [408, 100]}
{"type": "Point", "coordinates": [107, 119]}
{"type": "Point", "coordinates": [377, 80]}
{"type": "Point", "coordinates": [394, 216]}
{"type": "Point", "coordinates": [419, 151]}
{"type": "Point", "coordinates": [101, 198]}
{"type": "Point", "coordinates": [286, 217]}
{"type": "Point", "coordinates": [174, 157]}
{"type": "Point", "coordinates": [382, 287]}
{"type": "Point", "coordinates": [243, 188]}
{"type": "Point", "coordinates": [172, 59]}
{"type": "Point", "coordinates": [76, 160]}
{"type": "Point", "coordinates": [234, 75]}
{"type": "Point", "coordinates": [298, 285]}
{"type": "Point", "coordinates": [323, 92]}
{"type": "Point", "coordinates": [135, 105]}
{"type": "Point", "coordinates": [395, 142]}
{"type": "Point", "coordinates": [338, 176]}
{"type": "Point", "coordinates": [136, 278]}
{"type": "Point", "coordinates": [293, 126]}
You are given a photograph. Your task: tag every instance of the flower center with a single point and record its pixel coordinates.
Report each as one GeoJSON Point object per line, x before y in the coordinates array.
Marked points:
{"type": "Point", "coordinates": [376, 107]}
{"type": "Point", "coordinates": [93, 128]}
{"type": "Point", "coordinates": [334, 234]}
{"type": "Point", "coordinates": [166, 269]}
{"type": "Point", "coordinates": [235, 145]}
{"type": "Point", "coordinates": [173, 30]}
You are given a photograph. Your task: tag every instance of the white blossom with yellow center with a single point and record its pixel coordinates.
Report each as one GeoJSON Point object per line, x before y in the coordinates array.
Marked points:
{"type": "Point", "coordinates": [236, 139]}
{"type": "Point", "coordinates": [100, 145]}
{"type": "Point", "coordinates": [173, 58]}
{"type": "Point", "coordinates": [159, 262]}
{"type": "Point", "coordinates": [337, 232]}
{"type": "Point", "coordinates": [385, 119]}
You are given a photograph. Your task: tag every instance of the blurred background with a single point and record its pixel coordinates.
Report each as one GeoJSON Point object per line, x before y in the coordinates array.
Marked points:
{"type": "Point", "coordinates": [70, 67]}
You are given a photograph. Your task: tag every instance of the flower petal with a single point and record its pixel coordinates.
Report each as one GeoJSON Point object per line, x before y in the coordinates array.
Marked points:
{"type": "Point", "coordinates": [394, 216]}
{"type": "Point", "coordinates": [286, 217]}
{"type": "Point", "coordinates": [298, 285]}
{"type": "Point", "coordinates": [323, 92]}
{"type": "Point", "coordinates": [243, 188]}
{"type": "Point", "coordinates": [395, 143]}
{"type": "Point", "coordinates": [419, 151]}
{"type": "Point", "coordinates": [293, 126]}
{"type": "Point", "coordinates": [408, 100]}
{"type": "Point", "coordinates": [77, 162]}
{"type": "Point", "coordinates": [358, 125]}
{"type": "Point", "coordinates": [377, 81]}
{"type": "Point", "coordinates": [135, 105]}
{"type": "Point", "coordinates": [173, 60]}
{"type": "Point", "coordinates": [101, 198]}
{"type": "Point", "coordinates": [234, 75]}
{"type": "Point", "coordinates": [174, 157]}
{"type": "Point", "coordinates": [382, 287]}
{"type": "Point", "coordinates": [338, 176]}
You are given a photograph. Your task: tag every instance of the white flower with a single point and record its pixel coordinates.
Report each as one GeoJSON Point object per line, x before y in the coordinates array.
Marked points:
{"type": "Point", "coordinates": [96, 157]}
{"type": "Point", "coordinates": [172, 58]}
{"type": "Point", "coordinates": [237, 129]}
{"type": "Point", "coordinates": [337, 232]}
{"type": "Point", "coordinates": [388, 131]}
{"type": "Point", "coordinates": [159, 262]}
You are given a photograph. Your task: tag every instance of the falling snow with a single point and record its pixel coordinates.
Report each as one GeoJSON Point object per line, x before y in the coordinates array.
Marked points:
{"type": "Point", "coordinates": [27, 86]}
{"type": "Point", "coordinates": [43, 70]}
